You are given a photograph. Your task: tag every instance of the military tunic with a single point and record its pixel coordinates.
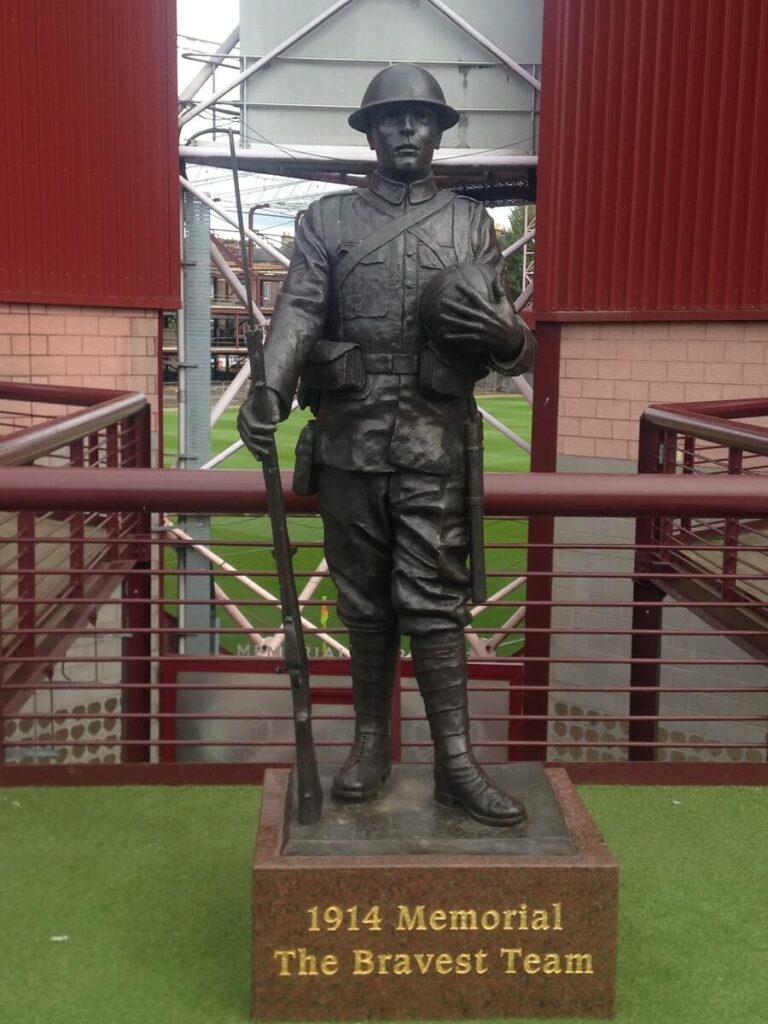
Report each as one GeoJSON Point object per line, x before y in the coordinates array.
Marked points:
{"type": "Point", "coordinates": [390, 410]}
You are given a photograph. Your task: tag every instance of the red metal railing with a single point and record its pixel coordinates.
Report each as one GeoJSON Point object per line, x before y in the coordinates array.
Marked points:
{"type": "Point", "coordinates": [715, 564]}
{"type": "Point", "coordinates": [703, 439]}
{"type": "Point", "coordinates": [186, 688]}
{"type": "Point", "coordinates": [72, 426]}
{"type": "Point", "coordinates": [58, 569]}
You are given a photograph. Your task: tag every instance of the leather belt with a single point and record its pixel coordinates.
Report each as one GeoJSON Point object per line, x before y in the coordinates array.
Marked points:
{"type": "Point", "coordinates": [391, 362]}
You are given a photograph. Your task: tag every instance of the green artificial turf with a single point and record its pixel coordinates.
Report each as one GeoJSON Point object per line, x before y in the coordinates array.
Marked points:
{"type": "Point", "coordinates": [150, 886]}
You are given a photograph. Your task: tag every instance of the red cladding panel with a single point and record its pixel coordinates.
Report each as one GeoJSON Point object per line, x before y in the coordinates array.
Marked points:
{"type": "Point", "coordinates": [89, 157]}
{"type": "Point", "coordinates": [654, 160]}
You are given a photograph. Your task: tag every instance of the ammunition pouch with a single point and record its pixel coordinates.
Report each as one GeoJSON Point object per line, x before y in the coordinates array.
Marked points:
{"type": "Point", "coordinates": [305, 467]}
{"type": "Point", "coordinates": [442, 377]}
{"type": "Point", "coordinates": [336, 366]}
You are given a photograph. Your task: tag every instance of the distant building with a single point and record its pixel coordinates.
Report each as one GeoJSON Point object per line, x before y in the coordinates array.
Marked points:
{"type": "Point", "coordinates": [228, 316]}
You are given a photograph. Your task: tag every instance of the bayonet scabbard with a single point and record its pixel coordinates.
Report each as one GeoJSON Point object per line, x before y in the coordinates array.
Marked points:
{"type": "Point", "coordinates": [473, 446]}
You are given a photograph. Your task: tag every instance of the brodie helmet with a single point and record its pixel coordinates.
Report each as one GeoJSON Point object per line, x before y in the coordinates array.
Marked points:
{"type": "Point", "coordinates": [403, 83]}
{"type": "Point", "coordinates": [451, 283]}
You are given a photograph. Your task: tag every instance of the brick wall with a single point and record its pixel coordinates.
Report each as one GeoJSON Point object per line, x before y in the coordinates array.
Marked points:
{"type": "Point", "coordinates": [609, 373]}
{"type": "Point", "coordinates": [89, 347]}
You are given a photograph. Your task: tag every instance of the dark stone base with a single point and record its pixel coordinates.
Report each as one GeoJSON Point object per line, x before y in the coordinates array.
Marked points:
{"type": "Point", "coordinates": [404, 819]}
{"type": "Point", "coordinates": [401, 909]}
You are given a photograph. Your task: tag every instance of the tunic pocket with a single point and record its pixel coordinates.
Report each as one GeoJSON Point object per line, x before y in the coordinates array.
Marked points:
{"type": "Point", "coordinates": [429, 259]}
{"type": "Point", "coordinates": [432, 261]}
{"type": "Point", "coordinates": [366, 290]}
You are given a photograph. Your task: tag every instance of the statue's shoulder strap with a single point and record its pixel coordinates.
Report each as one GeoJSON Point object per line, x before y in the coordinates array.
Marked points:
{"type": "Point", "coordinates": [390, 230]}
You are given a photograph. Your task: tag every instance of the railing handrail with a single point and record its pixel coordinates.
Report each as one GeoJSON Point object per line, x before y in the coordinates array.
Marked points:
{"type": "Point", "coordinates": [57, 394]}
{"type": "Point", "coordinates": [507, 494]}
{"type": "Point", "coordinates": [34, 442]}
{"type": "Point", "coordinates": [710, 422]}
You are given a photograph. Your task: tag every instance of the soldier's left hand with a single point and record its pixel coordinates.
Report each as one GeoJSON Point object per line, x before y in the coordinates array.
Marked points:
{"type": "Point", "coordinates": [478, 319]}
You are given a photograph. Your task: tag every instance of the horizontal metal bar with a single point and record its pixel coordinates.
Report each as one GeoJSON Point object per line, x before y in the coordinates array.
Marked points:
{"type": "Point", "coordinates": [595, 719]}
{"type": "Point", "coordinates": [531, 603]}
{"type": "Point", "coordinates": [58, 717]}
{"type": "Point", "coordinates": [345, 108]}
{"type": "Point", "coordinates": [159, 742]}
{"type": "Point", "coordinates": [717, 428]}
{"type": "Point", "coordinates": [250, 773]}
{"type": "Point", "coordinates": [56, 394]}
{"type": "Point", "coordinates": [127, 539]}
{"type": "Point", "coordinates": [507, 494]}
{"type": "Point", "coordinates": [191, 716]}
{"type": "Point", "coordinates": [412, 744]}
{"type": "Point", "coordinates": [732, 408]}
{"type": "Point", "coordinates": [261, 154]}
{"type": "Point", "coordinates": [36, 441]}
{"type": "Point", "coordinates": [475, 687]}
{"type": "Point", "coordinates": [519, 630]}
{"type": "Point", "coordinates": [523, 658]}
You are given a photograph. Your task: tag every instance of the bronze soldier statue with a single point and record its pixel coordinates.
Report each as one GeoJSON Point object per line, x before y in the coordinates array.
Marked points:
{"type": "Point", "coordinates": [394, 305]}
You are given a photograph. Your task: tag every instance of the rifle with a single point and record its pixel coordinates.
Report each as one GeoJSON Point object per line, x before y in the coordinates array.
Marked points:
{"type": "Point", "coordinates": [310, 794]}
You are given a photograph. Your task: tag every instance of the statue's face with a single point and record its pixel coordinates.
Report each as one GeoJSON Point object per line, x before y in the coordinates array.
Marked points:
{"type": "Point", "coordinates": [404, 135]}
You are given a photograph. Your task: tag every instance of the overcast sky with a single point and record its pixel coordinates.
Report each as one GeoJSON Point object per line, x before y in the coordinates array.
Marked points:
{"type": "Point", "coordinates": [208, 20]}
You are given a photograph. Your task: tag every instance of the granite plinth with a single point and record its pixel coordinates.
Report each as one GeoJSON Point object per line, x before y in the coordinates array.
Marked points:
{"type": "Point", "coordinates": [401, 909]}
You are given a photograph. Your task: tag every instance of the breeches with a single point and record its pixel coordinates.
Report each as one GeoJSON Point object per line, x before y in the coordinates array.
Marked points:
{"type": "Point", "coordinates": [396, 546]}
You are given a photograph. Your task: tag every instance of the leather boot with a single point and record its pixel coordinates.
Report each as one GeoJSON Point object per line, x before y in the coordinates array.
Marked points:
{"type": "Point", "coordinates": [369, 762]}
{"type": "Point", "coordinates": [441, 671]}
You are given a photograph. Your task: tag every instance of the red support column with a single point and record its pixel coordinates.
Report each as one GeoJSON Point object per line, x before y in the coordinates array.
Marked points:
{"type": "Point", "coordinates": [540, 554]}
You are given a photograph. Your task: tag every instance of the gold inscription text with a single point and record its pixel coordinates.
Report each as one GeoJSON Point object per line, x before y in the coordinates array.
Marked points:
{"type": "Point", "coordinates": [547, 963]}
{"type": "Point", "coordinates": [366, 961]}
{"type": "Point", "coordinates": [520, 918]}
{"type": "Point", "coordinates": [302, 964]}
{"type": "Point", "coordinates": [350, 919]}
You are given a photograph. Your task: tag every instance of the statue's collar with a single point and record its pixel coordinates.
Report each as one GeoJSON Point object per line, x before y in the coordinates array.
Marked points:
{"type": "Point", "coordinates": [395, 191]}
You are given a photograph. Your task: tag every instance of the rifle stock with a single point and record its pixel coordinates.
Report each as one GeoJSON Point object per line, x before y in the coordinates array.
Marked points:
{"type": "Point", "coordinates": [310, 794]}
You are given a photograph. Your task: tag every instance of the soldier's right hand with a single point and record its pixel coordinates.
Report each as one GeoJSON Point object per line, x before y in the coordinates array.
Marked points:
{"type": "Point", "coordinates": [257, 435]}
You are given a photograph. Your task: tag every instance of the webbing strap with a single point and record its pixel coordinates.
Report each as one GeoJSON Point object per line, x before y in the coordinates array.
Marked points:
{"type": "Point", "coordinates": [387, 232]}
{"type": "Point", "coordinates": [391, 362]}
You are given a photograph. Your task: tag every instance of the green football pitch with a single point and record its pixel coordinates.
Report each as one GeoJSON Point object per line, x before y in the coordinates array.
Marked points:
{"type": "Point", "coordinates": [253, 556]}
{"type": "Point", "coordinates": [501, 455]}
